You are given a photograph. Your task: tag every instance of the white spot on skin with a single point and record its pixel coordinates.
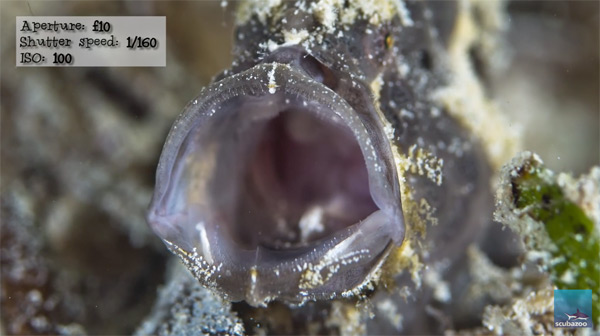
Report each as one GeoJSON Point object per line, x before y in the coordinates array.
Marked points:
{"type": "Point", "coordinates": [272, 45]}
{"type": "Point", "coordinates": [326, 12]}
{"type": "Point", "coordinates": [205, 243]}
{"type": "Point", "coordinates": [272, 85]}
{"type": "Point", "coordinates": [251, 297]}
{"type": "Point", "coordinates": [389, 130]}
{"type": "Point", "coordinates": [294, 37]}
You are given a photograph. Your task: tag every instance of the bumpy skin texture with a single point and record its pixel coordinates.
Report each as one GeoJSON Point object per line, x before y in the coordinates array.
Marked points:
{"type": "Point", "coordinates": [184, 307]}
{"type": "Point", "coordinates": [380, 67]}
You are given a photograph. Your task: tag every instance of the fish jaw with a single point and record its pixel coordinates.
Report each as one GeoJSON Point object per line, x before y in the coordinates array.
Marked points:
{"type": "Point", "coordinates": [253, 155]}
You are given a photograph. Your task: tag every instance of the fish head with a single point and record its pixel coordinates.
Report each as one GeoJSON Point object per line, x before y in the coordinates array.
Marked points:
{"type": "Point", "coordinates": [278, 182]}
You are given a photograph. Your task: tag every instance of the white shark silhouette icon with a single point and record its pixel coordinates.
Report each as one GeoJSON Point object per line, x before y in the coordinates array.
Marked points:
{"type": "Point", "coordinates": [577, 316]}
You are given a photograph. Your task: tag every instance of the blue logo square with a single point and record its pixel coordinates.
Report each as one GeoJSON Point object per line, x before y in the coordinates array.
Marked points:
{"type": "Point", "coordinates": [573, 308]}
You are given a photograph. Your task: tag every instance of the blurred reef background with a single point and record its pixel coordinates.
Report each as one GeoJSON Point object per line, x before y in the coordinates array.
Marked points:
{"type": "Point", "coordinates": [79, 148]}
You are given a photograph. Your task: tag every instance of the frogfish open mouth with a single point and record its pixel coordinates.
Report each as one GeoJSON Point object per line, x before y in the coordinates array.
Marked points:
{"type": "Point", "coordinates": [278, 182]}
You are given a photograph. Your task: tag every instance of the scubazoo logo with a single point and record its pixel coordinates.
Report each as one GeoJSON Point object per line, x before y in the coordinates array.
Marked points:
{"type": "Point", "coordinates": [567, 301]}
{"type": "Point", "coordinates": [579, 320]}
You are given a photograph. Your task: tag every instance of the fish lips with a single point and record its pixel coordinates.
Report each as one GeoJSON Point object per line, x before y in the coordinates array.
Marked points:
{"type": "Point", "coordinates": [257, 229]}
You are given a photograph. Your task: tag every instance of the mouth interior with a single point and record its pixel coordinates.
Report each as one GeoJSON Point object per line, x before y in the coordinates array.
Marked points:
{"type": "Point", "coordinates": [274, 173]}
{"type": "Point", "coordinates": [305, 178]}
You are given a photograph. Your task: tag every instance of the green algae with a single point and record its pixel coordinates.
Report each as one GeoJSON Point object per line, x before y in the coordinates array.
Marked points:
{"type": "Point", "coordinates": [575, 252]}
